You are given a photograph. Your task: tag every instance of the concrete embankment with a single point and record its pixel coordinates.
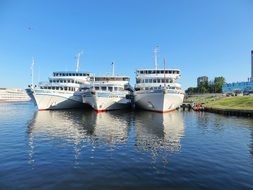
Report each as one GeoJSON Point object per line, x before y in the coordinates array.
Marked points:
{"type": "Point", "coordinates": [230, 112]}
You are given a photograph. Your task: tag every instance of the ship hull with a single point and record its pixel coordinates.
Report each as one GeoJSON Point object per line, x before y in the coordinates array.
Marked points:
{"type": "Point", "coordinates": [158, 101]}
{"type": "Point", "coordinates": [107, 101]}
{"type": "Point", "coordinates": [55, 101]}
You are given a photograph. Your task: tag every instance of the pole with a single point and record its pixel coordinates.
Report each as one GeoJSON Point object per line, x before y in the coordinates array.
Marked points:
{"type": "Point", "coordinates": [164, 61]}
{"type": "Point", "coordinates": [155, 57]}
{"type": "Point", "coordinates": [78, 60]}
{"type": "Point", "coordinates": [32, 68]}
{"type": "Point", "coordinates": [112, 69]}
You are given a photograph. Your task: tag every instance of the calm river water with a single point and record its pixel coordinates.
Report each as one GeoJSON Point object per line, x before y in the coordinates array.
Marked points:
{"type": "Point", "coordinates": [77, 149]}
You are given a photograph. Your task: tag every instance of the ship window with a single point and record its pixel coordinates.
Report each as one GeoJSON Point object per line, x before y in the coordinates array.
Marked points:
{"type": "Point", "coordinates": [154, 80]}
{"type": "Point", "coordinates": [150, 80]}
{"type": "Point", "coordinates": [53, 88]}
{"type": "Point", "coordinates": [169, 72]}
{"type": "Point", "coordinates": [110, 88]}
{"type": "Point", "coordinates": [162, 80]}
{"type": "Point", "coordinates": [162, 71]}
{"type": "Point", "coordinates": [146, 80]}
{"type": "Point", "coordinates": [96, 88]}
{"type": "Point", "coordinates": [121, 89]}
{"type": "Point", "coordinates": [149, 72]}
{"type": "Point", "coordinates": [158, 81]}
{"type": "Point", "coordinates": [166, 71]}
{"type": "Point", "coordinates": [141, 72]}
{"type": "Point", "coordinates": [103, 88]}
{"type": "Point", "coordinates": [115, 88]}
{"type": "Point", "coordinates": [138, 81]}
{"type": "Point", "coordinates": [153, 72]}
{"type": "Point", "coordinates": [146, 88]}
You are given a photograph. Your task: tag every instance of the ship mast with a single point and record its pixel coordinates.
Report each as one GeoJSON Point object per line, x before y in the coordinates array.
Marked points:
{"type": "Point", "coordinates": [156, 57]}
{"type": "Point", "coordinates": [112, 69]}
{"type": "Point", "coordinates": [32, 68]}
{"type": "Point", "coordinates": [78, 60]}
{"type": "Point", "coordinates": [164, 62]}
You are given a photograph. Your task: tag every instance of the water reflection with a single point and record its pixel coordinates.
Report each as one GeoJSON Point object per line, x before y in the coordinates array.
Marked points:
{"type": "Point", "coordinates": [151, 131]}
{"type": "Point", "coordinates": [77, 126]}
{"type": "Point", "coordinates": [159, 131]}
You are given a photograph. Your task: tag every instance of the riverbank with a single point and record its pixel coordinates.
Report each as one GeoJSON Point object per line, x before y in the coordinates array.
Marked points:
{"type": "Point", "coordinates": [237, 105]}
{"type": "Point", "coordinates": [233, 103]}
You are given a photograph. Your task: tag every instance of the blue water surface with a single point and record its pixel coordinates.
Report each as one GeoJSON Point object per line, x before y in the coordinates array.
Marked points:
{"type": "Point", "coordinates": [80, 149]}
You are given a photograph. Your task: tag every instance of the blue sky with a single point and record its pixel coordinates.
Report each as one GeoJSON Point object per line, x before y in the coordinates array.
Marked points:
{"type": "Point", "coordinates": [200, 37]}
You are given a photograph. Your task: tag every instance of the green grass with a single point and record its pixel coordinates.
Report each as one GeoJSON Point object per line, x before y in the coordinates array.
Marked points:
{"type": "Point", "coordinates": [203, 99]}
{"type": "Point", "coordinates": [237, 102]}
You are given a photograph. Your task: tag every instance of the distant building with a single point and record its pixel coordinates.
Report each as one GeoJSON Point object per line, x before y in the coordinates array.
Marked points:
{"type": "Point", "coordinates": [237, 86]}
{"type": "Point", "coordinates": [240, 86]}
{"type": "Point", "coordinates": [201, 79]}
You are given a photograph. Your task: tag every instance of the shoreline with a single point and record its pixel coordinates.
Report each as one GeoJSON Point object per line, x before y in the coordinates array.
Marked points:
{"type": "Point", "coordinates": [230, 112]}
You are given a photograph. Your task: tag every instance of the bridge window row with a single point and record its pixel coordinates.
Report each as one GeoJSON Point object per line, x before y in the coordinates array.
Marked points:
{"type": "Point", "coordinates": [158, 72]}
{"type": "Point", "coordinates": [70, 74]}
{"type": "Point", "coordinates": [154, 81]}
{"type": "Point", "coordinates": [58, 88]}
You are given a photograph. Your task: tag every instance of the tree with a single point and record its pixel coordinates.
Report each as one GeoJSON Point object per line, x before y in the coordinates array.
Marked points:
{"type": "Point", "coordinates": [191, 90]}
{"type": "Point", "coordinates": [203, 87]}
{"type": "Point", "coordinates": [218, 82]}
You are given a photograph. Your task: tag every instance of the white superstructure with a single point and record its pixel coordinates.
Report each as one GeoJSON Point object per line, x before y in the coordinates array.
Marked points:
{"type": "Point", "coordinates": [157, 89]}
{"type": "Point", "coordinates": [13, 95]}
{"type": "Point", "coordinates": [108, 93]}
{"type": "Point", "coordinates": [62, 91]}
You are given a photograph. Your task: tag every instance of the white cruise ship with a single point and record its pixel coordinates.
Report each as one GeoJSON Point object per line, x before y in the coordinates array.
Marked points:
{"type": "Point", "coordinates": [63, 90]}
{"type": "Point", "coordinates": [157, 89]}
{"type": "Point", "coordinates": [108, 93]}
{"type": "Point", "coordinates": [13, 95]}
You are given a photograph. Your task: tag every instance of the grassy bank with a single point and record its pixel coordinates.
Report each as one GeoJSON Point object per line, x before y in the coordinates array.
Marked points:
{"type": "Point", "coordinates": [236, 102]}
{"type": "Point", "coordinates": [204, 98]}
